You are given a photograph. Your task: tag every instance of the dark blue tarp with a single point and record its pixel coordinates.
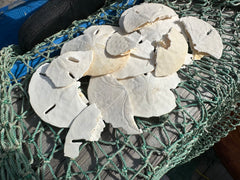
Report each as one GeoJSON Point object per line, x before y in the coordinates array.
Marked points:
{"type": "Point", "coordinates": [13, 16]}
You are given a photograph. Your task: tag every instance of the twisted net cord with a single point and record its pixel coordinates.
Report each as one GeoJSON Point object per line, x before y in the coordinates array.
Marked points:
{"type": "Point", "coordinates": [22, 153]}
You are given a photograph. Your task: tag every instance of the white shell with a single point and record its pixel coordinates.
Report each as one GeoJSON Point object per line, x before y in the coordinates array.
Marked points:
{"type": "Point", "coordinates": [144, 49]}
{"type": "Point", "coordinates": [69, 67]}
{"type": "Point", "coordinates": [169, 60]}
{"type": "Point", "coordinates": [119, 44]}
{"type": "Point", "coordinates": [103, 63]}
{"type": "Point", "coordinates": [113, 101]}
{"type": "Point", "coordinates": [97, 31]}
{"type": "Point", "coordinates": [56, 106]}
{"type": "Point", "coordinates": [156, 31]}
{"type": "Point", "coordinates": [136, 17]}
{"type": "Point", "coordinates": [83, 43]}
{"type": "Point", "coordinates": [150, 95]}
{"type": "Point", "coordinates": [87, 41]}
{"type": "Point", "coordinates": [188, 59]}
{"type": "Point", "coordinates": [135, 66]}
{"type": "Point", "coordinates": [87, 125]}
{"type": "Point", "coordinates": [203, 37]}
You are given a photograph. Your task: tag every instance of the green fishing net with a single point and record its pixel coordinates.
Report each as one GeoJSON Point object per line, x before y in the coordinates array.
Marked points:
{"type": "Point", "coordinates": [207, 108]}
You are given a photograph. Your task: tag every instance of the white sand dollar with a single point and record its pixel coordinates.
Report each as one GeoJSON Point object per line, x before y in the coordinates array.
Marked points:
{"type": "Point", "coordinates": [140, 15]}
{"type": "Point", "coordinates": [69, 67]}
{"type": "Point", "coordinates": [113, 101]}
{"type": "Point", "coordinates": [87, 125]}
{"type": "Point", "coordinates": [135, 66]}
{"type": "Point", "coordinates": [171, 57]}
{"type": "Point", "coordinates": [56, 106]}
{"type": "Point", "coordinates": [204, 39]}
{"type": "Point", "coordinates": [150, 95]}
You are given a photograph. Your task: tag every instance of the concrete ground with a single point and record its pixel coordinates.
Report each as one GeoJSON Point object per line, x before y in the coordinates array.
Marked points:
{"type": "Point", "coordinates": [5, 2]}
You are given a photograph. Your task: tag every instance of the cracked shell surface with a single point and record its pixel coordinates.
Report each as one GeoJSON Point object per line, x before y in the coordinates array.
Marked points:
{"type": "Point", "coordinates": [203, 37]}
{"type": "Point", "coordinates": [169, 60]}
{"type": "Point", "coordinates": [150, 95]}
{"type": "Point", "coordinates": [135, 66]}
{"type": "Point", "coordinates": [144, 50]}
{"type": "Point", "coordinates": [82, 42]}
{"type": "Point", "coordinates": [87, 125]}
{"type": "Point", "coordinates": [158, 29]}
{"type": "Point", "coordinates": [119, 44]}
{"type": "Point", "coordinates": [136, 17]}
{"type": "Point", "coordinates": [69, 67]}
{"type": "Point", "coordinates": [103, 63]}
{"type": "Point", "coordinates": [56, 106]}
{"type": "Point", "coordinates": [112, 99]}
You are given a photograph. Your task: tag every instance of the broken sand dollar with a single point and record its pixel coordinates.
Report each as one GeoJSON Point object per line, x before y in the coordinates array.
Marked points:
{"type": "Point", "coordinates": [56, 106]}
{"type": "Point", "coordinates": [83, 43]}
{"type": "Point", "coordinates": [156, 31]}
{"type": "Point", "coordinates": [69, 67]}
{"type": "Point", "coordinates": [135, 66]}
{"type": "Point", "coordinates": [171, 56]}
{"type": "Point", "coordinates": [150, 95]}
{"type": "Point", "coordinates": [204, 39]}
{"type": "Point", "coordinates": [113, 101]}
{"type": "Point", "coordinates": [87, 125]}
{"type": "Point", "coordinates": [140, 15]}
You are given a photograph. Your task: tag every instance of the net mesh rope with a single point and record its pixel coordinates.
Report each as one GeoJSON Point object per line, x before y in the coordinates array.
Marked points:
{"type": "Point", "coordinates": [207, 108]}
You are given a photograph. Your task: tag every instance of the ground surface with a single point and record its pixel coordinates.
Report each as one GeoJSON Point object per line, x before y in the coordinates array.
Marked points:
{"type": "Point", "coordinates": [205, 167]}
{"type": "Point", "coordinates": [5, 2]}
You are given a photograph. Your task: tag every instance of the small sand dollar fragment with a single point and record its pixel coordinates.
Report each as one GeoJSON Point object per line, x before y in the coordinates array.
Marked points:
{"type": "Point", "coordinates": [69, 67]}
{"type": "Point", "coordinates": [171, 56]}
{"type": "Point", "coordinates": [113, 101]}
{"type": "Point", "coordinates": [56, 106]}
{"type": "Point", "coordinates": [135, 66]}
{"type": "Point", "coordinates": [140, 15]}
{"type": "Point", "coordinates": [150, 95]}
{"type": "Point", "coordinates": [87, 125]}
{"type": "Point", "coordinates": [204, 38]}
